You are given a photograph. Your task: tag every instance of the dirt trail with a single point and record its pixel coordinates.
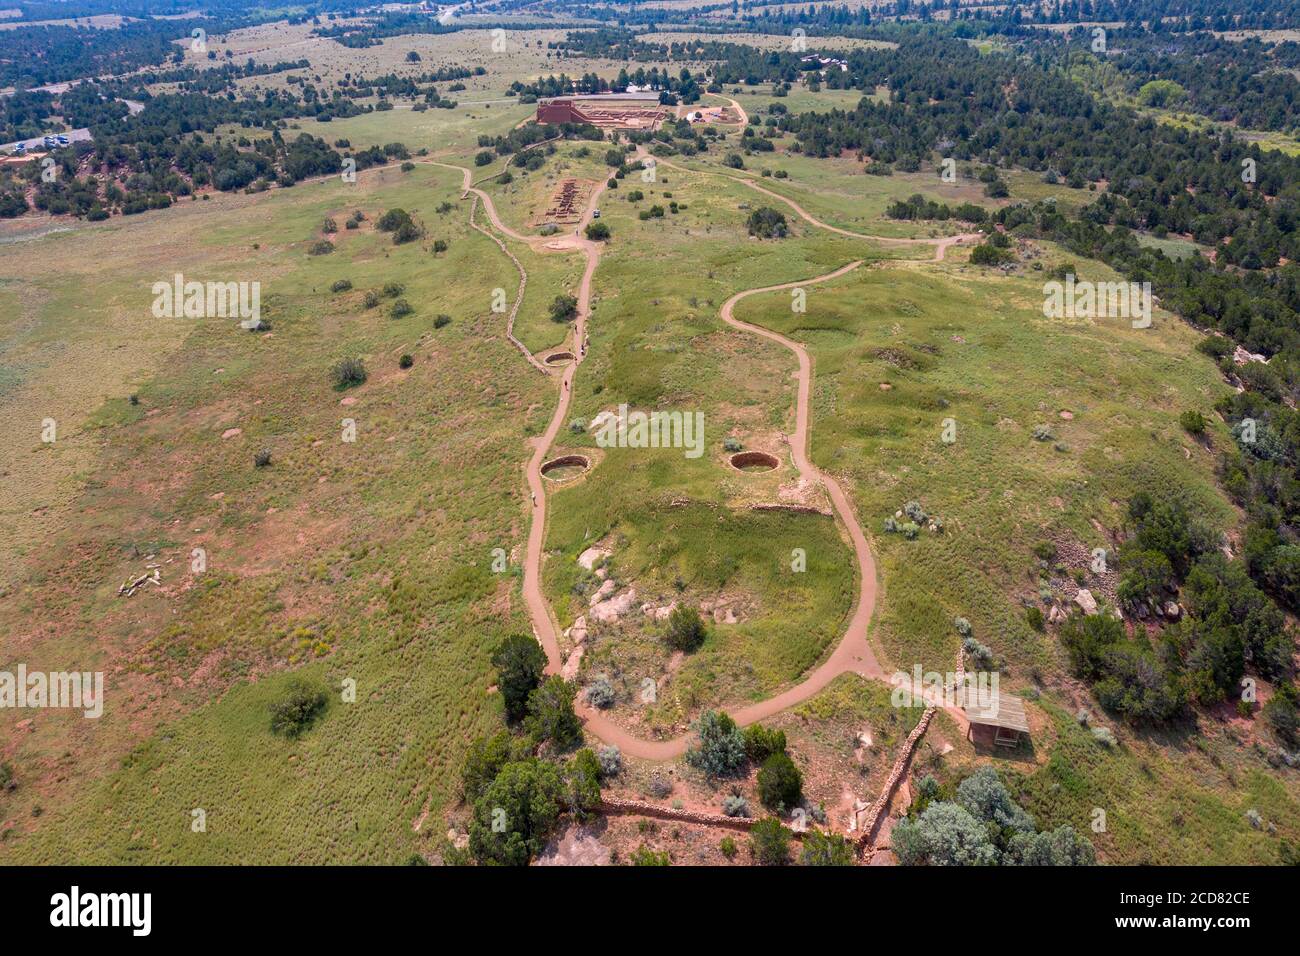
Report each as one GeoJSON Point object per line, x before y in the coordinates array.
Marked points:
{"type": "Point", "coordinates": [853, 653]}
{"type": "Point", "coordinates": [941, 245]}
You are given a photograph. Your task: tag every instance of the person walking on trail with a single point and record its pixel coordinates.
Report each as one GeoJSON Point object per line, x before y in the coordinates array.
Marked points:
{"type": "Point", "coordinates": [533, 496]}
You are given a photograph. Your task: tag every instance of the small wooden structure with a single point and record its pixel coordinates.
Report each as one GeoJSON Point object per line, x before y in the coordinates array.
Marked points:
{"type": "Point", "coordinates": [1001, 719]}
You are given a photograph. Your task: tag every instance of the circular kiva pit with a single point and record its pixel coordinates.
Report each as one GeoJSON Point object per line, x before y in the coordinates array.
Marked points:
{"type": "Point", "coordinates": [566, 467]}
{"type": "Point", "coordinates": [559, 358]}
{"type": "Point", "coordinates": [754, 461]}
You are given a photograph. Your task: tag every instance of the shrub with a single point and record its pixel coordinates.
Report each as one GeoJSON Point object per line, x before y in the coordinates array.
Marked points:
{"type": "Point", "coordinates": [393, 219]}
{"type": "Point", "coordinates": [564, 308]}
{"type": "Point", "coordinates": [515, 814]}
{"type": "Point", "coordinates": [600, 693]}
{"type": "Point", "coordinates": [321, 247]}
{"type": "Point", "coordinates": [728, 847]}
{"type": "Point", "coordinates": [1034, 618]}
{"type": "Point", "coordinates": [393, 289]}
{"type": "Point", "coordinates": [1282, 713]}
{"type": "Point", "coordinates": [767, 223]}
{"type": "Point", "coordinates": [963, 626]}
{"type": "Point", "coordinates": [406, 361]}
{"type": "Point", "coordinates": [644, 856]}
{"type": "Point", "coordinates": [550, 713]}
{"type": "Point", "coordinates": [439, 245]}
{"type": "Point", "coordinates": [1193, 422]}
{"type": "Point", "coordinates": [7, 782]}
{"type": "Point", "coordinates": [341, 285]}
{"type": "Point", "coordinates": [400, 309]}
{"type": "Point", "coordinates": [519, 662]}
{"type": "Point", "coordinates": [583, 778]}
{"type": "Point", "coordinates": [780, 784]}
{"type": "Point", "coordinates": [372, 299]}
{"type": "Point", "coordinates": [297, 708]}
{"type": "Point", "coordinates": [660, 786]}
{"type": "Point", "coordinates": [770, 842]}
{"type": "Point", "coordinates": [348, 372]}
{"type": "Point", "coordinates": [406, 232]}
{"type": "Point", "coordinates": [721, 751]}
{"type": "Point", "coordinates": [597, 231]}
{"type": "Point", "coordinates": [734, 805]}
{"type": "Point", "coordinates": [826, 849]}
{"type": "Point", "coordinates": [442, 321]}
{"type": "Point", "coordinates": [484, 157]}
{"type": "Point", "coordinates": [1104, 736]}
{"type": "Point", "coordinates": [731, 445]}
{"type": "Point", "coordinates": [686, 629]}
{"type": "Point", "coordinates": [1059, 847]}
{"type": "Point", "coordinates": [944, 835]}
{"type": "Point", "coordinates": [611, 760]}
{"type": "Point", "coordinates": [262, 459]}
{"type": "Point", "coordinates": [762, 742]}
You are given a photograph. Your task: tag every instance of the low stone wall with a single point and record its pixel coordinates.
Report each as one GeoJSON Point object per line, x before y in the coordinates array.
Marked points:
{"type": "Point", "coordinates": [643, 809]}
{"type": "Point", "coordinates": [519, 297]}
{"type": "Point", "coordinates": [877, 810]}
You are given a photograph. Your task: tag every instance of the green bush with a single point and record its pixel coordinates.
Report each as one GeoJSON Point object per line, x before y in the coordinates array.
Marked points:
{"type": "Point", "coordinates": [550, 713]}
{"type": "Point", "coordinates": [406, 361]}
{"type": "Point", "coordinates": [442, 321]}
{"type": "Point", "coordinates": [826, 849]}
{"type": "Point", "coordinates": [297, 708]}
{"type": "Point", "coordinates": [762, 742]}
{"type": "Point", "coordinates": [721, 750]}
{"type": "Point", "coordinates": [770, 842]}
{"type": "Point", "coordinates": [348, 372]}
{"type": "Point", "coordinates": [597, 231]}
{"type": "Point", "coordinates": [564, 308]}
{"type": "Point", "coordinates": [686, 629]}
{"type": "Point", "coordinates": [780, 784]}
{"type": "Point", "coordinates": [644, 856]}
{"type": "Point", "coordinates": [400, 309]}
{"type": "Point", "coordinates": [341, 285]}
{"type": "Point", "coordinates": [767, 223]}
{"type": "Point", "coordinates": [519, 662]}
{"type": "Point", "coordinates": [1193, 422]}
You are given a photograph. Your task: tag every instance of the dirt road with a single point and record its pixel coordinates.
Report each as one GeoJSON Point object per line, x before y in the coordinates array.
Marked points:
{"type": "Point", "coordinates": [853, 653]}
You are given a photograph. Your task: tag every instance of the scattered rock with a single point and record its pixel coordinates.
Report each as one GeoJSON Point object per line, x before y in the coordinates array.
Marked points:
{"type": "Point", "coordinates": [615, 607]}
{"type": "Point", "coordinates": [1086, 601]}
{"type": "Point", "coordinates": [605, 590]}
{"type": "Point", "coordinates": [658, 613]}
{"type": "Point", "coordinates": [592, 555]}
{"type": "Point", "coordinates": [232, 432]}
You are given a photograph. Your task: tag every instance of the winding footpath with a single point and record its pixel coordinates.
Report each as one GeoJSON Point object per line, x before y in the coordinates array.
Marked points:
{"type": "Point", "coordinates": [853, 654]}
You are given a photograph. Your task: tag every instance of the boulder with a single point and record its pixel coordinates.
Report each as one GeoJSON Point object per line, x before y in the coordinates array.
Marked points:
{"type": "Point", "coordinates": [592, 555]}
{"type": "Point", "coordinates": [615, 607]}
{"type": "Point", "coordinates": [1086, 601]}
{"type": "Point", "coordinates": [1172, 611]}
{"type": "Point", "coordinates": [605, 590]}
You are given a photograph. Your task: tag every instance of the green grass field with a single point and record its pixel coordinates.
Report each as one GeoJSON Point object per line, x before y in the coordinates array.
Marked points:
{"type": "Point", "coordinates": [367, 563]}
